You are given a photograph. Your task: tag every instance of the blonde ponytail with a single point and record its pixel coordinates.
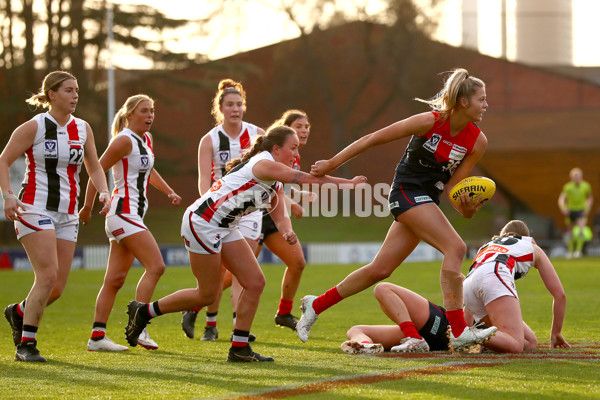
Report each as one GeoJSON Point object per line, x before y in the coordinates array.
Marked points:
{"type": "Point", "coordinates": [458, 85]}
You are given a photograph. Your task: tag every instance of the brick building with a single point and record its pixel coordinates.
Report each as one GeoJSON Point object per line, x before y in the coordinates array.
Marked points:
{"type": "Point", "coordinates": [357, 78]}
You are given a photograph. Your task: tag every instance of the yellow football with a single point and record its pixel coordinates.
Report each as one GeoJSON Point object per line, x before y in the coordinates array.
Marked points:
{"type": "Point", "coordinates": [479, 188]}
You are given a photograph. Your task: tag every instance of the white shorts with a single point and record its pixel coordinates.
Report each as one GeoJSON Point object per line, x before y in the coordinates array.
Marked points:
{"type": "Point", "coordinates": [36, 219]}
{"type": "Point", "coordinates": [119, 226]}
{"type": "Point", "coordinates": [203, 237]}
{"type": "Point", "coordinates": [488, 282]}
{"type": "Point", "coordinates": [251, 225]}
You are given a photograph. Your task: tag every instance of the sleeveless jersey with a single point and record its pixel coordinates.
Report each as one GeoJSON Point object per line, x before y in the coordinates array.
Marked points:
{"type": "Point", "coordinates": [53, 164]}
{"type": "Point", "coordinates": [516, 252]}
{"type": "Point", "coordinates": [430, 160]}
{"type": "Point", "coordinates": [131, 175]}
{"type": "Point", "coordinates": [236, 194]}
{"type": "Point", "coordinates": [226, 149]}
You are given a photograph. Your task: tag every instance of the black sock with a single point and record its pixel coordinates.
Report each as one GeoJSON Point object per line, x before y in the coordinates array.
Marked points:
{"type": "Point", "coordinates": [156, 308]}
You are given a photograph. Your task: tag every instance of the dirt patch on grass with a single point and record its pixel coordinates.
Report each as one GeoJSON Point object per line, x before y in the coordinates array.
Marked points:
{"type": "Point", "coordinates": [325, 386]}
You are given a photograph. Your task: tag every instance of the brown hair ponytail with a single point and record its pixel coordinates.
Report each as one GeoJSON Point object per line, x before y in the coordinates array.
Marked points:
{"type": "Point", "coordinates": [276, 135]}
{"type": "Point", "coordinates": [52, 81]}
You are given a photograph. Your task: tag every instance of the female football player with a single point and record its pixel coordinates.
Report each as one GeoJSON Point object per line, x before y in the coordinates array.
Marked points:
{"type": "Point", "coordinates": [445, 145]}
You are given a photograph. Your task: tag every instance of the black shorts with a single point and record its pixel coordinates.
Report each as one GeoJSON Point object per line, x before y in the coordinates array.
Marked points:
{"type": "Point", "coordinates": [434, 331]}
{"type": "Point", "coordinates": [574, 216]}
{"type": "Point", "coordinates": [405, 197]}
{"type": "Point", "coordinates": [268, 228]}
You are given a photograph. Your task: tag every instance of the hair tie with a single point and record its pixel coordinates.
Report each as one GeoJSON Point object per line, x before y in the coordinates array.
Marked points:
{"type": "Point", "coordinates": [230, 88]}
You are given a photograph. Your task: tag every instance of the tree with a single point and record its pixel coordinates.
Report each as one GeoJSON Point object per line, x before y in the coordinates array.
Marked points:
{"type": "Point", "coordinates": [73, 36]}
{"type": "Point", "coordinates": [384, 41]}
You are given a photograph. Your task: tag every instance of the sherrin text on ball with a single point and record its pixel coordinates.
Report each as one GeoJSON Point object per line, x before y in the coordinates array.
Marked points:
{"type": "Point", "coordinates": [479, 188]}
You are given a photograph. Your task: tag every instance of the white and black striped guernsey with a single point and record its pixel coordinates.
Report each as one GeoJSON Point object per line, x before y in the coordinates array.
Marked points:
{"type": "Point", "coordinates": [131, 175]}
{"type": "Point", "coordinates": [226, 148]}
{"type": "Point", "coordinates": [53, 164]}
{"type": "Point", "coordinates": [236, 194]}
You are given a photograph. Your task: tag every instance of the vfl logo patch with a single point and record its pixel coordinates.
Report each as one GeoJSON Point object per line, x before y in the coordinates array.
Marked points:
{"type": "Point", "coordinates": [187, 242]}
{"type": "Point", "coordinates": [394, 205]}
{"type": "Point", "coordinates": [433, 142]}
{"type": "Point", "coordinates": [51, 149]}
{"type": "Point", "coordinates": [45, 222]}
{"type": "Point", "coordinates": [118, 232]}
{"type": "Point", "coordinates": [421, 199]}
{"type": "Point", "coordinates": [218, 241]}
{"type": "Point", "coordinates": [144, 162]}
{"type": "Point", "coordinates": [224, 156]}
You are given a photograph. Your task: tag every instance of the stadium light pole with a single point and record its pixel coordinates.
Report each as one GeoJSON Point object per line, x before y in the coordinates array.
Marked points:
{"type": "Point", "coordinates": [111, 77]}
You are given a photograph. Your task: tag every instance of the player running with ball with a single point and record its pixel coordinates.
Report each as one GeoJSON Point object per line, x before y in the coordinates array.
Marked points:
{"type": "Point", "coordinates": [445, 145]}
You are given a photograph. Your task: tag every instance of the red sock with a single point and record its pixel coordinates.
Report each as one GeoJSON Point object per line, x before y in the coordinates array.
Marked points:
{"type": "Point", "coordinates": [456, 318]}
{"type": "Point", "coordinates": [98, 334]}
{"type": "Point", "coordinates": [326, 300]}
{"type": "Point", "coordinates": [285, 306]}
{"type": "Point", "coordinates": [410, 330]}
{"type": "Point", "coordinates": [20, 310]}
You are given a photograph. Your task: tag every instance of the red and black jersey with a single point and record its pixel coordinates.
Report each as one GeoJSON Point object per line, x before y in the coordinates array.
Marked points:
{"type": "Point", "coordinates": [430, 160]}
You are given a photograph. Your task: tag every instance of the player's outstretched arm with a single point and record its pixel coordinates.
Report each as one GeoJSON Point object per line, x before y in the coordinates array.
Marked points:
{"type": "Point", "coordinates": [416, 125]}
{"type": "Point", "coordinates": [271, 170]}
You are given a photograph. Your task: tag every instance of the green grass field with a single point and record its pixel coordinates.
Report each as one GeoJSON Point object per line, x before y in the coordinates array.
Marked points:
{"type": "Point", "coordinates": [188, 369]}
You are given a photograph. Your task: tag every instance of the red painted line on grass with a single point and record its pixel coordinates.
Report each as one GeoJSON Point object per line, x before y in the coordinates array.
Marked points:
{"type": "Point", "coordinates": [325, 386]}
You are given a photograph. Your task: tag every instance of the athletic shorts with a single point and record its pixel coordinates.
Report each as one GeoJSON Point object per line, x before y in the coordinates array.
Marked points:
{"type": "Point", "coordinates": [35, 219]}
{"type": "Point", "coordinates": [574, 216]}
{"type": "Point", "coordinates": [268, 228]}
{"type": "Point", "coordinates": [250, 225]}
{"type": "Point", "coordinates": [406, 197]}
{"type": "Point", "coordinates": [119, 226]}
{"type": "Point", "coordinates": [434, 330]}
{"type": "Point", "coordinates": [485, 284]}
{"type": "Point", "coordinates": [202, 237]}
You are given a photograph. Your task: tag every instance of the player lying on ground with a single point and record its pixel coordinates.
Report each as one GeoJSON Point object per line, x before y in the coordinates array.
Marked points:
{"type": "Point", "coordinates": [490, 295]}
